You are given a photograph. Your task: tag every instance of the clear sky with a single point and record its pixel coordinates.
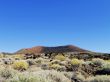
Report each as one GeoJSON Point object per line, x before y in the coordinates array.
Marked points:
{"type": "Point", "coordinates": [27, 23]}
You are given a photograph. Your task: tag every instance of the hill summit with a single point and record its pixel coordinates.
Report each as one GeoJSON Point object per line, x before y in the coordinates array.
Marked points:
{"type": "Point", "coordinates": [57, 49]}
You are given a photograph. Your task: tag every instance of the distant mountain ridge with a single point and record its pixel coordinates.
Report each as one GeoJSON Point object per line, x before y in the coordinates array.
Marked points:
{"type": "Point", "coordinates": [57, 49]}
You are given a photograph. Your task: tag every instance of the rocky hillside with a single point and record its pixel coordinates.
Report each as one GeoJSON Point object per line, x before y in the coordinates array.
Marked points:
{"type": "Point", "coordinates": [58, 49]}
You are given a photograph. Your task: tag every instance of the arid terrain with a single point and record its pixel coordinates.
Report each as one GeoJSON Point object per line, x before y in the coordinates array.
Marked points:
{"type": "Point", "coordinates": [54, 64]}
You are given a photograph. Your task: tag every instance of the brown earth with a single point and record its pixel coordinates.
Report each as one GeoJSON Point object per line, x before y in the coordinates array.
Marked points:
{"type": "Point", "coordinates": [58, 49]}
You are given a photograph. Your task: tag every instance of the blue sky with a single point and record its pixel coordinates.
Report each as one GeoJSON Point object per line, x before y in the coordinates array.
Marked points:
{"type": "Point", "coordinates": [27, 23]}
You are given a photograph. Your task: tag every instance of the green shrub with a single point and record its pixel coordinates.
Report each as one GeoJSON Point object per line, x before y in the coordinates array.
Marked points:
{"type": "Point", "coordinates": [105, 69]}
{"type": "Point", "coordinates": [68, 74]}
{"type": "Point", "coordinates": [75, 61]}
{"type": "Point", "coordinates": [27, 77]}
{"type": "Point", "coordinates": [58, 67]}
{"type": "Point", "coordinates": [7, 73]}
{"type": "Point", "coordinates": [31, 62]}
{"type": "Point", "coordinates": [107, 60]}
{"type": "Point", "coordinates": [106, 66]}
{"type": "Point", "coordinates": [18, 56]}
{"type": "Point", "coordinates": [39, 61]}
{"type": "Point", "coordinates": [40, 76]}
{"type": "Point", "coordinates": [55, 62]}
{"type": "Point", "coordinates": [52, 76]}
{"type": "Point", "coordinates": [77, 77]}
{"type": "Point", "coordinates": [64, 63]}
{"type": "Point", "coordinates": [20, 65]}
{"type": "Point", "coordinates": [98, 61]}
{"type": "Point", "coordinates": [73, 65]}
{"type": "Point", "coordinates": [101, 78]}
{"type": "Point", "coordinates": [1, 55]}
{"type": "Point", "coordinates": [36, 76]}
{"type": "Point", "coordinates": [60, 57]}
{"type": "Point", "coordinates": [57, 77]}
{"type": "Point", "coordinates": [44, 66]}
{"type": "Point", "coordinates": [55, 66]}
{"type": "Point", "coordinates": [8, 61]}
{"type": "Point", "coordinates": [62, 68]}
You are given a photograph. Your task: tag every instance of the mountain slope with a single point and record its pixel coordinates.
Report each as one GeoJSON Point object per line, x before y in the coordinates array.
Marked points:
{"type": "Point", "coordinates": [58, 49]}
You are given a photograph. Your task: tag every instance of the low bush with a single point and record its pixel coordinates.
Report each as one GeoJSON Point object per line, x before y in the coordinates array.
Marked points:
{"type": "Point", "coordinates": [61, 68]}
{"type": "Point", "coordinates": [53, 76]}
{"type": "Point", "coordinates": [18, 56]}
{"type": "Point", "coordinates": [75, 61]}
{"type": "Point", "coordinates": [31, 62]}
{"type": "Point", "coordinates": [93, 67]}
{"type": "Point", "coordinates": [7, 73]}
{"type": "Point", "coordinates": [20, 65]}
{"type": "Point", "coordinates": [8, 61]}
{"type": "Point", "coordinates": [98, 61]}
{"type": "Point", "coordinates": [77, 77]}
{"type": "Point", "coordinates": [40, 76]}
{"type": "Point", "coordinates": [88, 69]}
{"type": "Point", "coordinates": [68, 74]}
{"type": "Point", "coordinates": [57, 77]}
{"type": "Point", "coordinates": [101, 78]}
{"type": "Point", "coordinates": [55, 62]}
{"type": "Point", "coordinates": [55, 66]}
{"type": "Point", "coordinates": [105, 70]}
{"type": "Point", "coordinates": [44, 66]}
{"type": "Point", "coordinates": [107, 60]}
{"type": "Point", "coordinates": [27, 77]}
{"type": "Point", "coordinates": [60, 57]}
{"type": "Point", "coordinates": [58, 67]}
{"type": "Point", "coordinates": [1, 55]}
{"type": "Point", "coordinates": [39, 61]}
{"type": "Point", "coordinates": [106, 66]}
{"type": "Point", "coordinates": [64, 63]}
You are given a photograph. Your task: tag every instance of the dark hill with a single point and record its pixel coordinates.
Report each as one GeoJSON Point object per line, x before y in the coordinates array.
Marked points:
{"type": "Point", "coordinates": [58, 49]}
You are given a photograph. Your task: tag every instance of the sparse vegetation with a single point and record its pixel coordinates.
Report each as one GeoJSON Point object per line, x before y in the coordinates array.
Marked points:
{"type": "Point", "coordinates": [75, 62]}
{"type": "Point", "coordinates": [98, 61]}
{"type": "Point", "coordinates": [55, 66]}
{"type": "Point", "coordinates": [58, 69]}
{"type": "Point", "coordinates": [20, 65]}
{"type": "Point", "coordinates": [102, 78]}
{"type": "Point", "coordinates": [60, 57]}
{"type": "Point", "coordinates": [7, 72]}
{"type": "Point", "coordinates": [31, 62]}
